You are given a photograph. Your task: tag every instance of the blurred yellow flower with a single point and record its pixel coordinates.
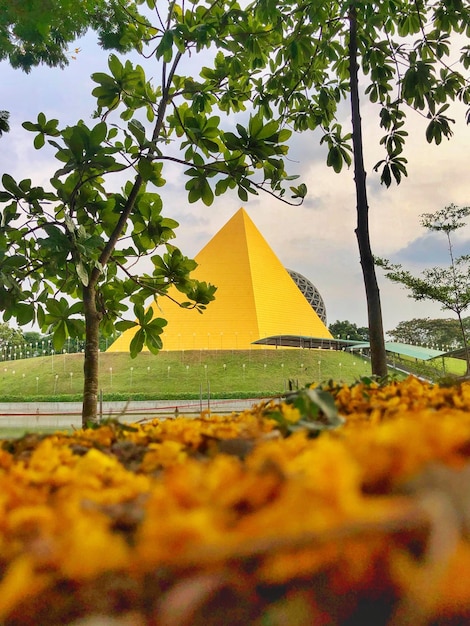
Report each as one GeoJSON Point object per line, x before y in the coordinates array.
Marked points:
{"type": "Point", "coordinates": [340, 516]}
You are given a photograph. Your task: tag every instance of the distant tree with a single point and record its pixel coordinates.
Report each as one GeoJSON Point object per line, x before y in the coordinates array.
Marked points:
{"type": "Point", "coordinates": [68, 253]}
{"type": "Point", "coordinates": [32, 336]}
{"type": "Point", "coordinates": [450, 286]}
{"type": "Point", "coordinates": [349, 330]}
{"type": "Point", "coordinates": [440, 332]}
{"type": "Point", "coordinates": [10, 336]}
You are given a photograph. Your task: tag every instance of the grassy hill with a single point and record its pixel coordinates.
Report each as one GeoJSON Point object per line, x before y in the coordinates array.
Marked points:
{"type": "Point", "coordinates": [182, 374]}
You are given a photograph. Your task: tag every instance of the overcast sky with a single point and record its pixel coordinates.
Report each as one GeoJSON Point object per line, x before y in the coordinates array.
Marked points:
{"type": "Point", "coordinates": [316, 239]}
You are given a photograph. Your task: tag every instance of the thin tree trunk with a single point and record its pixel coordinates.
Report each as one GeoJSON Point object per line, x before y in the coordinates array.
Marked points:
{"type": "Point", "coordinates": [374, 310]}
{"type": "Point", "coordinates": [91, 363]}
{"type": "Point", "coordinates": [92, 315]}
{"type": "Point", "coordinates": [465, 343]}
{"type": "Point", "coordinates": [459, 315]}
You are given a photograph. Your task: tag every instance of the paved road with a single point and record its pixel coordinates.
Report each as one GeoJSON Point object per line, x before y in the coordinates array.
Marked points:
{"type": "Point", "coordinates": [67, 414]}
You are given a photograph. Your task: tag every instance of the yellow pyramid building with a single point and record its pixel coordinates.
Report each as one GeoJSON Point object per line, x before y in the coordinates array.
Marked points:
{"type": "Point", "coordinates": [255, 297]}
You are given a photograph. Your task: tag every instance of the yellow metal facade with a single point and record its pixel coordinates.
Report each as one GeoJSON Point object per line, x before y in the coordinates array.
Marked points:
{"type": "Point", "coordinates": [255, 297]}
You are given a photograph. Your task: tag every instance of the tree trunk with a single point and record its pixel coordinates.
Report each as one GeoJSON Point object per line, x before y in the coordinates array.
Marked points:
{"type": "Point", "coordinates": [459, 313]}
{"type": "Point", "coordinates": [91, 363]}
{"type": "Point", "coordinates": [374, 310]}
{"type": "Point", "coordinates": [465, 344]}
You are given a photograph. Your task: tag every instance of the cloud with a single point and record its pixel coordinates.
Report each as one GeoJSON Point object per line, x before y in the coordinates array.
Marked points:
{"type": "Point", "coordinates": [431, 249]}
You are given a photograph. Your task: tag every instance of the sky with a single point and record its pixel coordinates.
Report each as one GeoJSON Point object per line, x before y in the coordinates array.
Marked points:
{"type": "Point", "coordinates": [316, 239]}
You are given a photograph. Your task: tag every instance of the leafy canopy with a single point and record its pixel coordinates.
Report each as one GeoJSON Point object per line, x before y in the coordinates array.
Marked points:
{"type": "Point", "coordinates": [443, 333]}
{"type": "Point", "coordinates": [413, 56]}
{"type": "Point", "coordinates": [349, 330]}
{"type": "Point", "coordinates": [68, 253]}
{"type": "Point", "coordinates": [40, 31]}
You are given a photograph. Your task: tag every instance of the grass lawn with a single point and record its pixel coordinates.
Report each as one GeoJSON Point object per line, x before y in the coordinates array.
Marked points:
{"type": "Point", "coordinates": [184, 374]}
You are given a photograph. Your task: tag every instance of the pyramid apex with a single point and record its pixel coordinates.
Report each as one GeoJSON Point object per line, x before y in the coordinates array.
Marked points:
{"type": "Point", "coordinates": [242, 214]}
{"type": "Point", "coordinates": [241, 211]}
{"type": "Point", "coordinates": [240, 217]}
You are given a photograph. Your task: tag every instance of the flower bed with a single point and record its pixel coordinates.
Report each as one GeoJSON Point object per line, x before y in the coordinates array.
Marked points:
{"type": "Point", "coordinates": [228, 521]}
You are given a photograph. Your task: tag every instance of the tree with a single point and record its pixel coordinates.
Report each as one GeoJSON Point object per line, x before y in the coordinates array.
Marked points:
{"type": "Point", "coordinates": [67, 253]}
{"type": "Point", "coordinates": [450, 286]}
{"type": "Point", "coordinates": [444, 333]}
{"type": "Point", "coordinates": [40, 31]}
{"type": "Point", "coordinates": [402, 53]}
{"type": "Point", "coordinates": [10, 336]}
{"type": "Point", "coordinates": [32, 336]}
{"type": "Point", "coordinates": [349, 330]}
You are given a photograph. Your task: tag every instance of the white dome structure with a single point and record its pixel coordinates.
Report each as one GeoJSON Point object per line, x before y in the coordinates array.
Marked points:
{"type": "Point", "coordinates": [311, 294]}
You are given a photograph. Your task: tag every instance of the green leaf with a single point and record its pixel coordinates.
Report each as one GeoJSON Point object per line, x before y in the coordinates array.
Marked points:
{"type": "Point", "coordinates": [153, 330]}
{"type": "Point", "coordinates": [284, 135]}
{"type": "Point", "coordinates": [164, 48]}
{"type": "Point", "coordinates": [242, 193]}
{"type": "Point", "coordinates": [24, 313]}
{"type": "Point", "coordinates": [98, 134]}
{"type": "Point", "coordinates": [10, 185]}
{"type": "Point", "coordinates": [268, 130]}
{"type": "Point", "coordinates": [386, 177]}
{"type": "Point", "coordinates": [29, 126]}
{"type": "Point", "coordinates": [124, 325]}
{"type": "Point", "coordinates": [138, 130]}
{"type": "Point", "coordinates": [76, 308]}
{"type": "Point", "coordinates": [145, 169]}
{"type": "Point", "coordinates": [82, 273]}
{"type": "Point", "coordinates": [137, 343]}
{"type": "Point", "coordinates": [41, 317]}
{"type": "Point", "coordinates": [207, 195]}
{"type": "Point", "coordinates": [39, 141]}
{"type": "Point", "coordinates": [115, 66]}
{"type": "Point", "coordinates": [335, 159]}
{"type": "Point", "coordinates": [300, 191]}
{"type": "Point", "coordinates": [59, 336]}
{"type": "Point", "coordinates": [5, 196]}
